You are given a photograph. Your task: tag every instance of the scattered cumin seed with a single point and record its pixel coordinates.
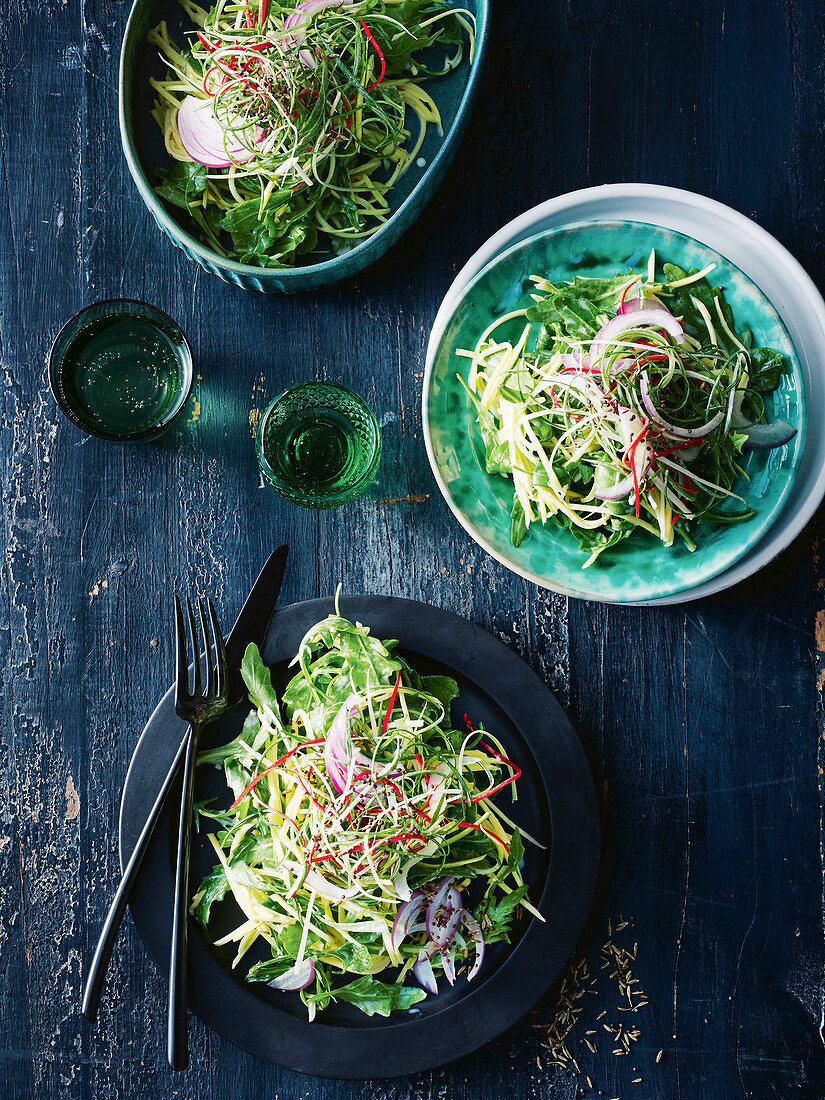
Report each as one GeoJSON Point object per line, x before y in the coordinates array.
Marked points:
{"type": "Point", "coordinates": [660, 1056]}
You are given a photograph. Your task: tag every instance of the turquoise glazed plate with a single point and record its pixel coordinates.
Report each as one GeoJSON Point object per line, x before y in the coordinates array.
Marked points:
{"type": "Point", "coordinates": [144, 151]}
{"type": "Point", "coordinates": [640, 569]}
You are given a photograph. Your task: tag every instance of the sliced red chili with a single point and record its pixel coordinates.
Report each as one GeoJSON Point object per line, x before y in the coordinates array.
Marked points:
{"type": "Point", "coordinates": [631, 456]}
{"type": "Point", "coordinates": [487, 832]}
{"type": "Point", "coordinates": [256, 780]}
{"type": "Point", "coordinates": [393, 697]}
{"type": "Point", "coordinates": [377, 49]}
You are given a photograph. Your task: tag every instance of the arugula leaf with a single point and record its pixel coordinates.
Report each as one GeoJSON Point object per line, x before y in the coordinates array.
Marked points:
{"type": "Point", "coordinates": [289, 940]}
{"type": "Point", "coordinates": [518, 523]}
{"type": "Point", "coordinates": [322, 995]}
{"type": "Point", "coordinates": [598, 539]}
{"type": "Point", "coordinates": [258, 680]}
{"type": "Point", "coordinates": [259, 239]}
{"type": "Point", "coordinates": [248, 736]}
{"type": "Point", "coordinates": [213, 888]}
{"type": "Point", "coordinates": [350, 659]}
{"type": "Point", "coordinates": [501, 914]}
{"type": "Point", "coordinates": [575, 309]}
{"type": "Point", "coordinates": [497, 458]}
{"type": "Point", "coordinates": [399, 45]}
{"type": "Point", "coordinates": [444, 688]}
{"type": "Point", "coordinates": [247, 876]}
{"type": "Point", "coordinates": [268, 969]}
{"type": "Point", "coordinates": [681, 304]}
{"type": "Point", "coordinates": [181, 184]}
{"type": "Point", "coordinates": [373, 997]}
{"type": "Point", "coordinates": [506, 904]}
{"type": "Point", "coordinates": [516, 854]}
{"type": "Point", "coordinates": [570, 472]}
{"type": "Point", "coordinates": [352, 956]}
{"type": "Point", "coordinates": [209, 220]}
{"type": "Point", "coordinates": [766, 369]}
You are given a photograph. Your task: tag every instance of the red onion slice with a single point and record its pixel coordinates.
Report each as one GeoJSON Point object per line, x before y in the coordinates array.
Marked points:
{"type": "Point", "coordinates": [423, 972]}
{"type": "Point", "coordinates": [646, 316]}
{"type": "Point", "coordinates": [477, 936]}
{"type": "Point", "coordinates": [630, 305]}
{"type": "Point", "coordinates": [298, 20]}
{"type": "Point", "coordinates": [642, 460]}
{"type": "Point", "coordinates": [618, 491]}
{"type": "Point", "coordinates": [401, 886]}
{"type": "Point", "coordinates": [448, 964]}
{"type": "Point", "coordinates": [573, 361]}
{"type": "Point", "coordinates": [630, 424]}
{"type": "Point", "coordinates": [674, 429]}
{"type": "Point", "coordinates": [444, 920]}
{"type": "Point", "coordinates": [203, 137]}
{"type": "Point", "coordinates": [763, 437]}
{"type": "Point", "coordinates": [439, 907]}
{"type": "Point", "coordinates": [338, 763]}
{"type": "Point", "coordinates": [297, 977]}
{"type": "Point", "coordinates": [404, 919]}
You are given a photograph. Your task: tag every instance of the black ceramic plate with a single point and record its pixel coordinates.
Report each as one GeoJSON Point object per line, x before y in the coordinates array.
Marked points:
{"type": "Point", "coordinates": [556, 804]}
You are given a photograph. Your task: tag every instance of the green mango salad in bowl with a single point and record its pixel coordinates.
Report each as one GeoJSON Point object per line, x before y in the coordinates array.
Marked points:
{"type": "Point", "coordinates": [615, 398]}
{"type": "Point", "coordinates": [286, 144]}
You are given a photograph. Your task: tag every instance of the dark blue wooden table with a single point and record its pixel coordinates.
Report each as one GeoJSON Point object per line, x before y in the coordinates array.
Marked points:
{"type": "Point", "coordinates": [705, 721]}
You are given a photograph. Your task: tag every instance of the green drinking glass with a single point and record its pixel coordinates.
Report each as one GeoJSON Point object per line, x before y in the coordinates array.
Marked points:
{"type": "Point", "coordinates": [121, 370]}
{"type": "Point", "coordinates": [318, 445]}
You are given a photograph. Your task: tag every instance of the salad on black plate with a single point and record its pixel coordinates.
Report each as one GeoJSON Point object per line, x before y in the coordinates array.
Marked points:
{"type": "Point", "coordinates": [364, 846]}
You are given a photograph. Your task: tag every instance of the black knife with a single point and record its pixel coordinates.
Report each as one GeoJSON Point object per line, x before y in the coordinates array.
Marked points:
{"type": "Point", "coordinates": [253, 621]}
{"type": "Point", "coordinates": [250, 626]}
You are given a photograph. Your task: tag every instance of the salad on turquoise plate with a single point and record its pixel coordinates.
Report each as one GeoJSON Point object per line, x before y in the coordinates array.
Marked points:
{"type": "Point", "coordinates": [614, 411]}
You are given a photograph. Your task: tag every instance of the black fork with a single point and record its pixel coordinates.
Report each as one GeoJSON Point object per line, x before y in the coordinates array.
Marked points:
{"type": "Point", "coordinates": [202, 703]}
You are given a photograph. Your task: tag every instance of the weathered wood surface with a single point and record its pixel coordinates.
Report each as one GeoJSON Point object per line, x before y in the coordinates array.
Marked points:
{"type": "Point", "coordinates": [705, 721]}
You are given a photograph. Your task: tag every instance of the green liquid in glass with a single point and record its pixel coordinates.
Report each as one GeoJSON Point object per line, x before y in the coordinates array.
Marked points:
{"type": "Point", "coordinates": [313, 452]}
{"type": "Point", "coordinates": [123, 374]}
{"type": "Point", "coordinates": [319, 445]}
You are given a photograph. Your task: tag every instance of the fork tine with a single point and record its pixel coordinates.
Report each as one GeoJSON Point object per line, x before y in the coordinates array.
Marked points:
{"type": "Point", "coordinates": [207, 650]}
{"type": "Point", "coordinates": [220, 651]}
{"type": "Point", "coordinates": [196, 661]}
{"type": "Point", "coordinates": [181, 659]}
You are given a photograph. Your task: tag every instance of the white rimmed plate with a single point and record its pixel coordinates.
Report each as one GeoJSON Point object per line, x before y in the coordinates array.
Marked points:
{"type": "Point", "coordinates": [761, 257]}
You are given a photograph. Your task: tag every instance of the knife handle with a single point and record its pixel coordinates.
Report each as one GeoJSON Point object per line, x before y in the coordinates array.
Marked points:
{"type": "Point", "coordinates": [108, 935]}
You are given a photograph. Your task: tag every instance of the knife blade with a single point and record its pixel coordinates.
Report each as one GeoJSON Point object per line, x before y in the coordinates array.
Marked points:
{"type": "Point", "coordinates": [254, 618]}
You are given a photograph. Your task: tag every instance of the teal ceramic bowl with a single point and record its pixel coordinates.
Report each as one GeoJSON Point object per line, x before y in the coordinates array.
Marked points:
{"type": "Point", "coordinates": [641, 568]}
{"type": "Point", "coordinates": [144, 151]}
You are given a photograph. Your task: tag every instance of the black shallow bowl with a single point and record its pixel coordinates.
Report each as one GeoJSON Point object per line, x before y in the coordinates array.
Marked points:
{"type": "Point", "coordinates": [556, 804]}
{"type": "Point", "coordinates": [144, 151]}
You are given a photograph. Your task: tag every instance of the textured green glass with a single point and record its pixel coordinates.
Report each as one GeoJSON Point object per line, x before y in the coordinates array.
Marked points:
{"type": "Point", "coordinates": [318, 445]}
{"type": "Point", "coordinates": [121, 370]}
